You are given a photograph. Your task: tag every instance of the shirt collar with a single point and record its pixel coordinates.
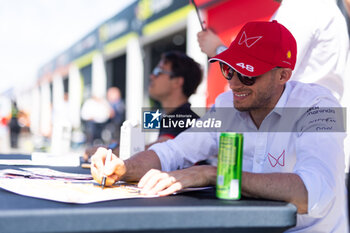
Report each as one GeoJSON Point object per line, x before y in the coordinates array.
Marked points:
{"type": "Point", "coordinates": [283, 100]}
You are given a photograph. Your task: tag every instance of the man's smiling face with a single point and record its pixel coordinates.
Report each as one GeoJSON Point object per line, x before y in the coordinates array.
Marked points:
{"type": "Point", "coordinates": [262, 94]}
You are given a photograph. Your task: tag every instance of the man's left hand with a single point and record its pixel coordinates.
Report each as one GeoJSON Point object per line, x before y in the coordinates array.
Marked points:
{"type": "Point", "coordinates": [156, 182]}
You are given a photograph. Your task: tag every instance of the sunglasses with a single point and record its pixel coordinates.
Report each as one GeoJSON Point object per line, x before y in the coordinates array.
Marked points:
{"type": "Point", "coordinates": [157, 71]}
{"type": "Point", "coordinates": [228, 73]}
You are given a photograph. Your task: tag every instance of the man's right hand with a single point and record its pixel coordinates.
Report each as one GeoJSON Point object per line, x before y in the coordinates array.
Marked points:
{"type": "Point", "coordinates": [114, 171]}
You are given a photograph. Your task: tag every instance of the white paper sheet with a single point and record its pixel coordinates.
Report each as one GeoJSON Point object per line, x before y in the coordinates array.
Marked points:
{"type": "Point", "coordinates": [69, 192]}
{"type": "Point", "coordinates": [45, 173]}
{"type": "Point", "coordinates": [67, 187]}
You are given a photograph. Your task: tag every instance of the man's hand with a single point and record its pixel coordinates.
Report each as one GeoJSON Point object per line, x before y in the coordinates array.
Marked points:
{"type": "Point", "coordinates": [114, 172]}
{"type": "Point", "coordinates": [165, 183]}
{"type": "Point", "coordinates": [208, 42]}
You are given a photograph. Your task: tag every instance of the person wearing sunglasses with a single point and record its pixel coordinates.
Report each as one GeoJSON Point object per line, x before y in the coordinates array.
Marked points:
{"type": "Point", "coordinates": [303, 166]}
{"type": "Point", "coordinates": [172, 82]}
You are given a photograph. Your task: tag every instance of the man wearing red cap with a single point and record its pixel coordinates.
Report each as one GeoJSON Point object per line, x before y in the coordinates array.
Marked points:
{"type": "Point", "coordinates": [320, 31]}
{"type": "Point", "coordinates": [300, 166]}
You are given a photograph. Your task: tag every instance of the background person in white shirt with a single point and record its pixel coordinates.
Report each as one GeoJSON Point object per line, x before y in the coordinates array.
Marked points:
{"type": "Point", "coordinates": [257, 65]}
{"type": "Point", "coordinates": [95, 113]}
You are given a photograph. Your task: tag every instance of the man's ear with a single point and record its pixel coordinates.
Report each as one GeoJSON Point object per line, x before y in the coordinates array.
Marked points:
{"type": "Point", "coordinates": [178, 81]}
{"type": "Point", "coordinates": [284, 75]}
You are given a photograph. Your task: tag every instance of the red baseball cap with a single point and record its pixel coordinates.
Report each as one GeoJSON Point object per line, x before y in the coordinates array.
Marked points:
{"type": "Point", "coordinates": [260, 47]}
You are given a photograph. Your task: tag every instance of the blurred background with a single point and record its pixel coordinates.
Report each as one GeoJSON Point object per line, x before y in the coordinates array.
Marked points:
{"type": "Point", "coordinates": [55, 55]}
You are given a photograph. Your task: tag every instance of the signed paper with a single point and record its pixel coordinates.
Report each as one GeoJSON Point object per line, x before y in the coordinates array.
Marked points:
{"type": "Point", "coordinates": [43, 173]}
{"type": "Point", "coordinates": [69, 192]}
{"type": "Point", "coordinates": [67, 187]}
{"type": "Point", "coordinates": [57, 174]}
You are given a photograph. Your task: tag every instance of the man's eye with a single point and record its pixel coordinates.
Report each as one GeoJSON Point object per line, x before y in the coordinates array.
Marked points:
{"type": "Point", "coordinates": [247, 77]}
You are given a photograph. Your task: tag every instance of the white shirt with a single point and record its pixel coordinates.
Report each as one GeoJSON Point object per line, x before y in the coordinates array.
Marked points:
{"type": "Point", "coordinates": [95, 109]}
{"type": "Point", "coordinates": [318, 158]}
{"type": "Point", "coordinates": [322, 41]}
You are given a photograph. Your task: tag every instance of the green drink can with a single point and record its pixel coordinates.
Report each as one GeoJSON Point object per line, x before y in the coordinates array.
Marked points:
{"type": "Point", "coordinates": [229, 169]}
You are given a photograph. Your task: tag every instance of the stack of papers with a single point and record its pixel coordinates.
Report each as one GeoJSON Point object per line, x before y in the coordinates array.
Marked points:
{"type": "Point", "coordinates": [67, 187]}
{"type": "Point", "coordinates": [64, 187]}
{"type": "Point", "coordinates": [43, 173]}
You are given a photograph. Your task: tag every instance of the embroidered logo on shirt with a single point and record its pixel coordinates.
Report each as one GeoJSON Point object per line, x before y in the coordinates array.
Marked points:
{"type": "Point", "coordinates": [274, 161]}
{"type": "Point", "coordinates": [249, 42]}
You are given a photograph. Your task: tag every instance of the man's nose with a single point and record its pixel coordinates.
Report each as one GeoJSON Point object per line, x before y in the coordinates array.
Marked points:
{"type": "Point", "coordinates": [235, 82]}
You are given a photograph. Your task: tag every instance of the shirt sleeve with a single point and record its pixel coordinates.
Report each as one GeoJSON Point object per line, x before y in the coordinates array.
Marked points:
{"type": "Point", "coordinates": [320, 160]}
{"type": "Point", "coordinates": [185, 150]}
{"type": "Point", "coordinates": [318, 166]}
{"type": "Point", "coordinates": [190, 147]}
